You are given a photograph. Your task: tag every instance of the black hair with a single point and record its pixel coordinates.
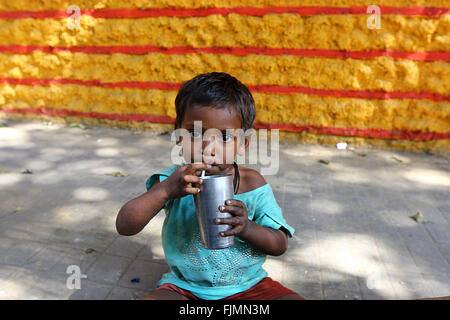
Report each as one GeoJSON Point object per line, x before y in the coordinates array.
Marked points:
{"type": "Point", "coordinates": [217, 90]}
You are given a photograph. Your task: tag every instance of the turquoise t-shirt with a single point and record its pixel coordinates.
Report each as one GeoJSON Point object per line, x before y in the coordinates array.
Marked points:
{"type": "Point", "coordinates": [214, 274]}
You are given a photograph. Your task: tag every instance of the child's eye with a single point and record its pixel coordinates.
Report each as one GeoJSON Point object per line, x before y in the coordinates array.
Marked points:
{"type": "Point", "coordinates": [195, 134]}
{"type": "Point", "coordinates": [227, 137]}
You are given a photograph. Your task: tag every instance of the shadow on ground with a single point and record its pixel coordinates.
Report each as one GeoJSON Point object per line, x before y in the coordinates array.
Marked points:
{"type": "Point", "coordinates": [354, 236]}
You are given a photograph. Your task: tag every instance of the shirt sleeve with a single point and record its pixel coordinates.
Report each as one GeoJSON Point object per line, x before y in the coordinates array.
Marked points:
{"type": "Point", "coordinates": [160, 176]}
{"type": "Point", "coordinates": [269, 214]}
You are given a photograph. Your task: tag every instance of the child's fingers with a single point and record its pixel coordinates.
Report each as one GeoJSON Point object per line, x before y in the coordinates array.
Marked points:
{"type": "Point", "coordinates": [199, 172]}
{"type": "Point", "coordinates": [230, 221]}
{"type": "Point", "coordinates": [232, 232]}
{"type": "Point", "coordinates": [193, 167]}
{"type": "Point", "coordinates": [191, 190]}
{"type": "Point", "coordinates": [234, 210]}
{"type": "Point", "coordinates": [234, 202]}
{"type": "Point", "coordinates": [192, 179]}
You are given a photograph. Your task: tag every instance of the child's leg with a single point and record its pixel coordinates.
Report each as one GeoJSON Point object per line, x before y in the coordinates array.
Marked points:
{"type": "Point", "coordinates": [169, 291]}
{"type": "Point", "coordinates": [290, 296]}
{"type": "Point", "coordinates": [266, 289]}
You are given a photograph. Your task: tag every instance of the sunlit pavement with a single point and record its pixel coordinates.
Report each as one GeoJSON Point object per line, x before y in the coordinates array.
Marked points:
{"type": "Point", "coordinates": [355, 238]}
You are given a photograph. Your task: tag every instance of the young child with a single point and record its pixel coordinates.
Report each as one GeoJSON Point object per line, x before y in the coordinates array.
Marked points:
{"type": "Point", "coordinates": [220, 102]}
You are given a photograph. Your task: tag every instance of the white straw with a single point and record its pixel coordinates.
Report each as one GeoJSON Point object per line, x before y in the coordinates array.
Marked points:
{"type": "Point", "coordinates": [203, 174]}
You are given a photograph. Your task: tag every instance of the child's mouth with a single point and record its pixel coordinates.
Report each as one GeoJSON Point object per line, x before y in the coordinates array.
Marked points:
{"type": "Point", "coordinates": [217, 169]}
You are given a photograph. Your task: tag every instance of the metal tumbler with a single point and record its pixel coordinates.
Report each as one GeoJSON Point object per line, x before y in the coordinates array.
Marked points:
{"type": "Point", "coordinates": [214, 191]}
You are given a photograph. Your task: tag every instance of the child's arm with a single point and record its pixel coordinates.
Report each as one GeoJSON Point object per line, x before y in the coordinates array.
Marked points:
{"type": "Point", "coordinates": [137, 213]}
{"type": "Point", "coordinates": [268, 240]}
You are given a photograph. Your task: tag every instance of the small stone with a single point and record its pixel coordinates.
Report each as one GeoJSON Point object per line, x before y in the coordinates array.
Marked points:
{"type": "Point", "coordinates": [341, 145]}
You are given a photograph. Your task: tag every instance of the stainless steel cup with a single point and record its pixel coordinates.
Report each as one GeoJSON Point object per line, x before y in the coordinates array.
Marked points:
{"type": "Point", "coordinates": [214, 191]}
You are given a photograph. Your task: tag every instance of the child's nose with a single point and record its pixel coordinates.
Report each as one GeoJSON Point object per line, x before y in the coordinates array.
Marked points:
{"type": "Point", "coordinates": [209, 147]}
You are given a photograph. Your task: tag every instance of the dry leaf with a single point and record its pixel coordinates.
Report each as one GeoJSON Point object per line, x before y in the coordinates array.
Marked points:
{"type": "Point", "coordinates": [17, 209]}
{"type": "Point", "coordinates": [79, 125]}
{"type": "Point", "coordinates": [117, 174]}
{"type": "Point", "coordinates": [324, 161]}
{"type": "Point", "coordinates": [419, 218]}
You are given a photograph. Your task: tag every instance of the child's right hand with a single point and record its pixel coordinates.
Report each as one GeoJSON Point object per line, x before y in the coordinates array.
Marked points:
{"type": "Point", "coordinates": [179, 183]}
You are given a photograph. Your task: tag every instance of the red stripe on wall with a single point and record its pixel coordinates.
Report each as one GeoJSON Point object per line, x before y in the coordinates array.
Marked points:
{"type": "Point", "coordinates": [363, 94]}
{"type": "Point", "coordinates": [321, 53]}
{"type": "Point", "coordinates": [351, 132]}
{"type": "Point", "coordinates": [96, 115]}
{"type": "Point", "coordinates": [94, 83]}
{"type": "Point", "coordinates": [357, 132]}
{"type": "Point", "coordinates": [246, 11]}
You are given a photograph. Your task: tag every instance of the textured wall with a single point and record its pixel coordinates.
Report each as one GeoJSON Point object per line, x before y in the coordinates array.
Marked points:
{"type": "Point", "coordinates": [316, 70]}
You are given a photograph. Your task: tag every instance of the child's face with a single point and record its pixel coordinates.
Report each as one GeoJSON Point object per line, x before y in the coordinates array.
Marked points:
{"type": "Point", "coordinates": [214, 145]}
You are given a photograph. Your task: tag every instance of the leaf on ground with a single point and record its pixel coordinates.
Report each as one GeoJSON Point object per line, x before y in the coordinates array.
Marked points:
{"type": "Point", "coordinates": [117, 174]}
{"type": "Point", "coordinates": [324, 161]}
{"type": "Point", "coordinates": [27, 171]}
{"type": "Point", "coordinates": [419, 218]}
{"type": "Point", "coordinates": [17, 209]}
{"type": "Point", "coordinates": [397, 159]}
{"type": "Point", "coordinates": [79, 125]}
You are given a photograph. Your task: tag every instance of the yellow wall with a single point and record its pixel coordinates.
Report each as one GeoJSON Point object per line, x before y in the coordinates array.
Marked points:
{"type": "Point", "coordinates": [328, 98]}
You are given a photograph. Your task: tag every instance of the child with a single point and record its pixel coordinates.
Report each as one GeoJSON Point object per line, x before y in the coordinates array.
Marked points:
{"type": "Point", "coordinates": [220, 102]}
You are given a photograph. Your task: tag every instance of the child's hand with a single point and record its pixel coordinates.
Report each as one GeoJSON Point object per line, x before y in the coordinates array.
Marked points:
{"type": "Point", "coordinates": [240, 220]}
{"type": "Point", "coordinates": [179, 183]}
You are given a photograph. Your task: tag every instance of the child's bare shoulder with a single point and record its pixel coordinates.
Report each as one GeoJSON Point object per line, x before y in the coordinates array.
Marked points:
{"type": "Point", "coordinates": [250, 179]}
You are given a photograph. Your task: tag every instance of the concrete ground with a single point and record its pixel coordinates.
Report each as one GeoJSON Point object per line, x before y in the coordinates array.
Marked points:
{"type": "Point", "coordinates": [354, 239]}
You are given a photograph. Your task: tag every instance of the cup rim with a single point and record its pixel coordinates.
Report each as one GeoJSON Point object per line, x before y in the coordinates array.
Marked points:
{"type": "Point", "coordinates": [216, 176]}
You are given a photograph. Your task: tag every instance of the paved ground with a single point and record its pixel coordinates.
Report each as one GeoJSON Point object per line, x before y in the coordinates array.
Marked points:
{"type": "Point", "coordinates": [354, 236]}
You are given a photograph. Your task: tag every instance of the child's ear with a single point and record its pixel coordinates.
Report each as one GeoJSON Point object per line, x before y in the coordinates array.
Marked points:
{"type": "Point", "coordinates": [243, 146]}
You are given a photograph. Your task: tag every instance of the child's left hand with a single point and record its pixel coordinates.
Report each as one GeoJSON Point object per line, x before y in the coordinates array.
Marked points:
{"type": "Point", "coordinates": [239, 221]}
